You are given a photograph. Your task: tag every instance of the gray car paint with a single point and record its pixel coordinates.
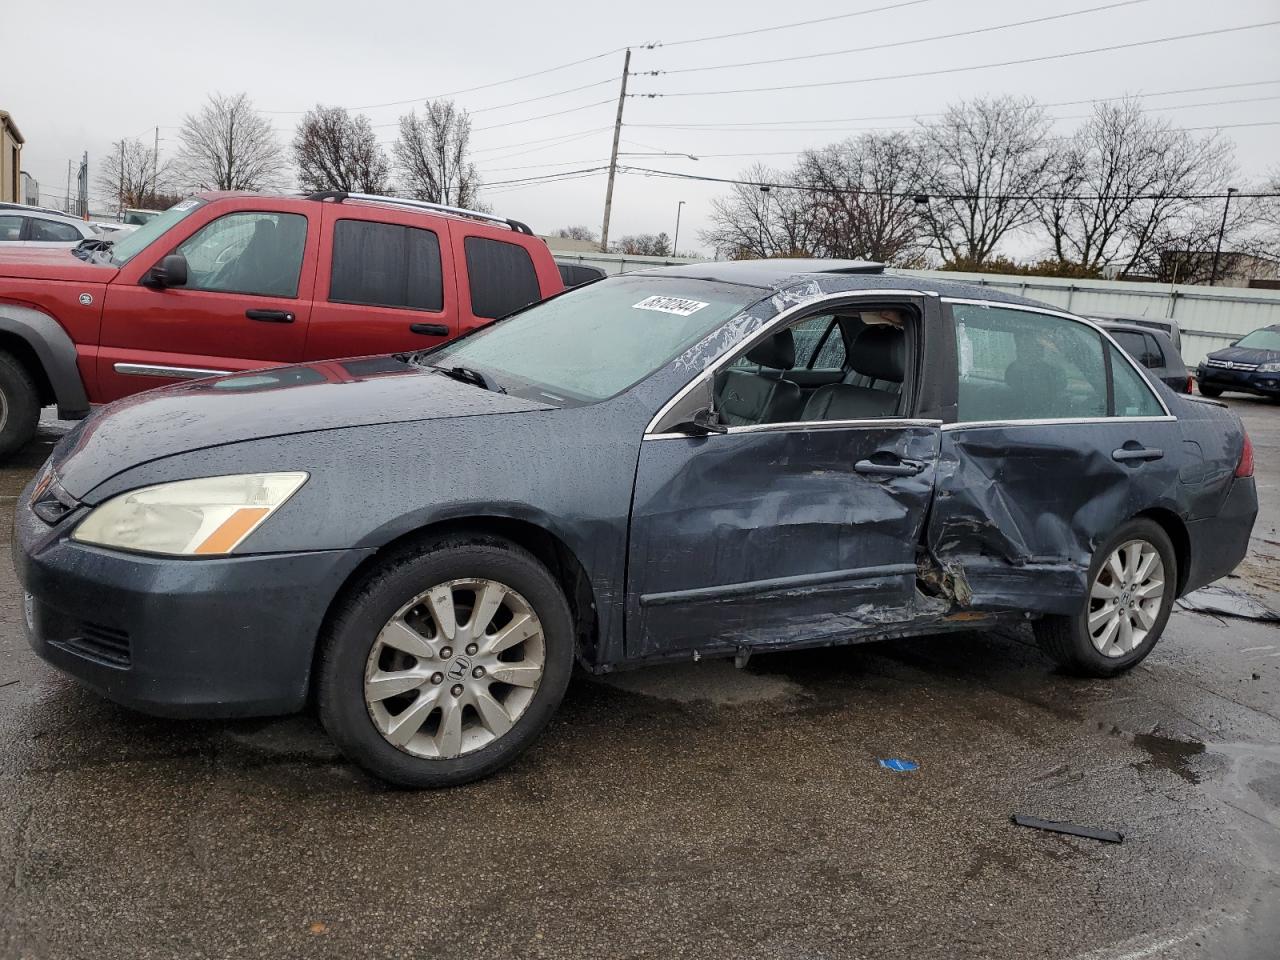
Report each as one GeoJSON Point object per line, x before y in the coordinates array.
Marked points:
{"type": "Point", "coordinates": [992, 538]}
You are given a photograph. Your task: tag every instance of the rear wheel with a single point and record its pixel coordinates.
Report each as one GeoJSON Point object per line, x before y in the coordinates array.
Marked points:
{"type": "Point", "coordinates": [446, 662]}
{"type": "Point", "coordinates": [1210, 392]}
{"type": "Point", "coordinates": [19, 404]}
{"type": "Point", "coordinates": [1132, 582]}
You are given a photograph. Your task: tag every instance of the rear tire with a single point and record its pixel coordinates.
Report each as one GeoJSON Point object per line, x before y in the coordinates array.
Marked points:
{"type": "Point", "coordinates": [19, 404]}
{"type": "Point", "coordinates": [1211, 392]}
{"type": "Point", "coordinates": [412, 687]}
{"type": "Point", "coordinates": [1119, 622]}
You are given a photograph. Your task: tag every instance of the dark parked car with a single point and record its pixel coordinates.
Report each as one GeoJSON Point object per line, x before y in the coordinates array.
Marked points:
{"type": "Point", "coordinates": [576, 274]}
{"type": "Point", "coordinates": [1166, 325]}
{"type": "Point", "coordinates": [706, 460]}
{"type": "Point", "coordinates": [1250, 365]}
{"type": "Point", "coordinates": [1155, 351]}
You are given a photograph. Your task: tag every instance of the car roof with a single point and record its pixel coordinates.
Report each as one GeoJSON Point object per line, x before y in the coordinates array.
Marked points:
{"type": "Point", "coordinates": [835, 276]}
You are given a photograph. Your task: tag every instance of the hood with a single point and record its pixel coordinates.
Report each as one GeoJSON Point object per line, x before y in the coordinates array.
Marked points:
{"type": "Point", "coordinates": [1249, 355]}
{"type": "Point", "coordinates": [52, 263]}
{"type": "Point", "coordinates": [328, 395]}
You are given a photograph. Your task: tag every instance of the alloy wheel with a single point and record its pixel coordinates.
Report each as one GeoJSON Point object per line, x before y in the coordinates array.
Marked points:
{"type": "Point", "coordinates": [1125, 599]}
{"type": "Point", "coordinates": [454, 668]}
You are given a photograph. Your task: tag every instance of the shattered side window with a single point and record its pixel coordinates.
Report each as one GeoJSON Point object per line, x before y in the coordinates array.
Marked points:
{"type": "Point", "coordinates": [1019, 365]}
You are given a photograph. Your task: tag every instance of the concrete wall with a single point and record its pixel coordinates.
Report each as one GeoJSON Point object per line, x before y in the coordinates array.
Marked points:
{"type": "Point", "coordinates": [1210, 317]}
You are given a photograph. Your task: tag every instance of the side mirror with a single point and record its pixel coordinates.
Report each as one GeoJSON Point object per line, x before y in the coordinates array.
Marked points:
{"type": "Point", "coordinates": [703, 423]}
{"type": "Point", "coordinates": [170, 272]}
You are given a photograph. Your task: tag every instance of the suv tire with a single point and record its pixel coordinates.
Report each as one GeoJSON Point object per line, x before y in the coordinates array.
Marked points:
{"type": "Point", "coordinates": [1116, 591]}
{"type": "Point", "coordinates": [19, 404]}
{"type": "Point", "coordinates": [1211, 392]}
{"type": "Point", "coordinates": [413, 689]}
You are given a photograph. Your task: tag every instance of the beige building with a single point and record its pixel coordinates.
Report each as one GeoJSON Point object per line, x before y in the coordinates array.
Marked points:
{"type": "Point", "coordinates": [10, 160]}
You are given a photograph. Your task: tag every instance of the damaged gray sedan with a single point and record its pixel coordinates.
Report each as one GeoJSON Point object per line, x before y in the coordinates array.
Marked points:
{"type": "Point", "coordinates": [705, 460]}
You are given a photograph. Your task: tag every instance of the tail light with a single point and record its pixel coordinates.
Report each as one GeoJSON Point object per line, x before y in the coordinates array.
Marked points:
{"type": "Point", "coordinates": [1191, 382]}
{"type": "Point", "coordinates": [1245, 467]}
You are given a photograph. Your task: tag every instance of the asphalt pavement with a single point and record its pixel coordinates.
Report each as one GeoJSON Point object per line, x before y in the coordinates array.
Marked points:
{"type": "Point", "coordinates": [692, 811]}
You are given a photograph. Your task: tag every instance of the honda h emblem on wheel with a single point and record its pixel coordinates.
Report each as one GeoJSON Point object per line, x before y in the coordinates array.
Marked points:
{"type": "Point", "coordinates": [458, 669]}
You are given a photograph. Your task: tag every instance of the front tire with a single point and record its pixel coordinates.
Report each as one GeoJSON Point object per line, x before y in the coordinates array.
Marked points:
{"type": "Point", "coordinates": [1211, 392]}
{"type": "Point", "coordinates": [19, 404]}
{"type": "Point", "coordinates": [1131, 588]}
{"type": "Point", "coordinates": [446, 661]}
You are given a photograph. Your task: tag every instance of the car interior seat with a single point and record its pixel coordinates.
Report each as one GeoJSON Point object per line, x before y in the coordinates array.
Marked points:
{"type": "Point", "coordinates": [879, 353]}
{"type": "Point", "coordinates": [744, 397]}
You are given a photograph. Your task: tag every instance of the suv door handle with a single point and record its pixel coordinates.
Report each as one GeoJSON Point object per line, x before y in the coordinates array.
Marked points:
{"type": "Point", "coordinates": [429, 329]}
{"type": "Point", "coordinates": [1126, 454]}
{"type": "Point", "coordinates": [270, 316]}
{"type": "Point", "coordinates": [903, 468]}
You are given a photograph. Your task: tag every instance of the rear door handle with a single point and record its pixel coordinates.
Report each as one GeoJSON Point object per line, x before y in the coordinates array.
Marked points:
{"type": "Point", "coordinates": [903, 468]}
{"type": "Point", "coordinates": [1125, 454]}
{"type": "Point", "coordinates": [270, 316]}
{"type": "Point", "coordinates": [429, 329]}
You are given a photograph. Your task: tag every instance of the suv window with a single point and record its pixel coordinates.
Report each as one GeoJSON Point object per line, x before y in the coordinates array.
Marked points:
{"type": "Point", "coordinates": [258, 253]}
{"type": "Point", "coordinates": [1133, 396]}
{"type": "Point", "coordinates": [819, 344]}
{"type": "Point", "coordinates": [1018, 365]}
{"type": "Point", "coordinates": [51, 231]}
{"type": "Point", "coordinates": [10, 229]}
{"type": "Point", "coordinates": [1141, 346]}
{"type": "Point", "coordinates": [386, 265]}
{"type": "Point", "coordinates": [501, 275]}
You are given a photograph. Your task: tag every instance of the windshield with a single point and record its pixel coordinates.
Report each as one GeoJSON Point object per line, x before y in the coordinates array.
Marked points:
{"type": "Point", "coordinates": [130, 245]}
{"type": "Point", "coordinates": [1264, 339]}
{"type": "Point", "coordinates": [593, 343]}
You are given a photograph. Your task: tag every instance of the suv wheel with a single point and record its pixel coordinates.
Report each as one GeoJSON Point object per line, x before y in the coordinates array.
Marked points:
{"type": "Point", "coordinates": [1211, 392]}
{"type": "Point", "coordinates": [1132, 582]}
{"type": "Point", "coordinates": [19, 404]}
{"type": "Point", "coordinates": [446, 662]}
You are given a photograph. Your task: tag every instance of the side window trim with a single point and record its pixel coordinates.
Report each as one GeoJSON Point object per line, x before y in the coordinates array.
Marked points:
{"type": "Point", "coordinates": [948, 302]}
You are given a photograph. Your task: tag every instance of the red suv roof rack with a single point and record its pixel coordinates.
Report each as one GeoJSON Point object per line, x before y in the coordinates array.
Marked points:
{"type": "Point", "coordinates": [337, 196]}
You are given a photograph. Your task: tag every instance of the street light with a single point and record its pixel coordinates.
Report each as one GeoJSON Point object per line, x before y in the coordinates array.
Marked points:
{"type": "Point", "coordinates": [660, 153]}
{"type": "Point", "coordinates": [675, 250]}
{"type": "Point", "coordinates": [1217, 251]}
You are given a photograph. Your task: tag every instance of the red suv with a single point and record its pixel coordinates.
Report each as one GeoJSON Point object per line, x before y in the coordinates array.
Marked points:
{"type": "Point", "coordinates": [233, 281]}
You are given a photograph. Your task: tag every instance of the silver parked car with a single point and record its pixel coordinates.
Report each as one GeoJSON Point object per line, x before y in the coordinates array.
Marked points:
{"type": "Point", "coordinates": [23, 226]}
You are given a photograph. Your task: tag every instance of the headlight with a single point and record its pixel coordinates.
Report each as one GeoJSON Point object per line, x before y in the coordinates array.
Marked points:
{"type": "Point", "coordinates": [1269, 368]}
{"type": "Point", "coordinates": [208, 517]}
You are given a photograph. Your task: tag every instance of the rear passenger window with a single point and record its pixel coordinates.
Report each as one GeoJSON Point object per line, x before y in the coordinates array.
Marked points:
{"type": "Point", "coordinates": [50, 231]}
{"type": "Point", "coordinates": [386, 265]}
{"type": "Point", "coordinates": [1133, 396]}
{"type": "Point", "coordinates": [501, 275]}
{"type": "Point", "coordinates": [1019, 365]}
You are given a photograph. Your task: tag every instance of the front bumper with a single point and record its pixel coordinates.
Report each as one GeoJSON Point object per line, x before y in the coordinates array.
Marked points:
{"type": "Point", "coordinates": [222, 637]}
{"type": "Point", "coordinates": [1244, 381]}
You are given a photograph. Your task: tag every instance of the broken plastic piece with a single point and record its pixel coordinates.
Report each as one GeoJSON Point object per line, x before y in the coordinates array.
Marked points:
{"type": "Point", "coordinates": [902, 766]}
{"type": "Point", "coordinates": [1053, 826]}
{"type": "Point", "coordinates": [1228, 602]}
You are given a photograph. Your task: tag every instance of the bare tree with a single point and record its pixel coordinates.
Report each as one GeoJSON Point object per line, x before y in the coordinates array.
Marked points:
{"type": "Point", "coordinates": [863, 199]}
{"type": "Point", "coordinates": [129, 175]}
{"type": "Point", "coordinates": [644, 245]}
{"type": "Point", "coordinates": [577, 233]}
{"type": "Point", "coordinates": [984, 165]}
{"type": "Point", "coordinates": [336, 151]}
{"type": "Point", "coordinates": [432, 154]}
{"type": "Point", "coordinates": [1126, 187]}
{"type": "Point", "coordinates": [767, 215]}
{"type": "Point", "coordinates": [228, 145]}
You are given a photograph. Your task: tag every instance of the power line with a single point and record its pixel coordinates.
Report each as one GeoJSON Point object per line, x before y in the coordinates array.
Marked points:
{"type": "Point", "coordinates": [788, 26]}
{"type": "Point", "coordinates": [907, 43]}
{"type": "Point", "coordinates": [901, 194]}
{"type": "Point", "coordinates": [966, 69]}
{"type": "Point", "coordinates": [525, 143]}
{"type": "Point", "coordinates": [759, 125]}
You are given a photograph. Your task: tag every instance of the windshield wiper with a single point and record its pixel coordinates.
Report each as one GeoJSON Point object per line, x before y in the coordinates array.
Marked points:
{"type": "Point", "coordinates": [468, 375]}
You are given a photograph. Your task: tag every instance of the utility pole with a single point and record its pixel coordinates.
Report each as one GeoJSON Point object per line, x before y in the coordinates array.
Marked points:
{"type": "Point", "coordinates": [675, 250]}
{"type": "Point", "coordinates": [155, 168]}
{"type": "Point", "coordinates": [121, 181]}
{"type": "Point", "coordinates": [613, 157]}
{"type": "Point", "coordinates": [1217, 251]}
{"type": "Point", "coordinates": [66, 198]}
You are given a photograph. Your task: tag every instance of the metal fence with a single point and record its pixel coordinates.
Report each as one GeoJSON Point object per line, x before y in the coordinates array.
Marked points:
{"type": "Point", "coordinates": [1210, 317]}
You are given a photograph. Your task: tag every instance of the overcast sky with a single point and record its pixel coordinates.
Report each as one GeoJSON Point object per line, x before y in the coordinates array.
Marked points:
{"type": "Point", "coordinates": [85, 74]}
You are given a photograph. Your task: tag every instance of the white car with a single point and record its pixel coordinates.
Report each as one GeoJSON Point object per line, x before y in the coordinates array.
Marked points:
{"type": "Point", "coordinates": [33, 227]}
{"type": "Point", "coordinates": [111, 229]}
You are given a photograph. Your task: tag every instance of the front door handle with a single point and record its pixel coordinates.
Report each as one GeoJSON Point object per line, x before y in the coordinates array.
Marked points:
{"type": "Point", "coordinates": [429, 329]}
{"type": "Point", "coordinates": [270, 316]}
{"type": "Point", "coordinates": [1129, 454]}
{"type": "Point", "coordinates": [901, 468]}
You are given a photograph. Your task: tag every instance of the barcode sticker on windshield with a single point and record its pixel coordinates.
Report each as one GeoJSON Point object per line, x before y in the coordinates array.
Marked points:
{"type": "Point", "coordinates": [677, 305]}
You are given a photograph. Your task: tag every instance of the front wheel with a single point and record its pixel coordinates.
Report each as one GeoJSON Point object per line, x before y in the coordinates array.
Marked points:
{"type": "Point", "coordinates": [1211, 392]}
{"type": "Point", "coordinates": [19, 404]}
{"type": "Point", "coordinates": [1132, 583]}
{"type": "Point", "coordinates": [446, 662]}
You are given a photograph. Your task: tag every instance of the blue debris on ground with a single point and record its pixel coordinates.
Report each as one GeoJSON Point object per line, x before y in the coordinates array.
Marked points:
{"type": "Point", "coordinates": [902, 766]}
